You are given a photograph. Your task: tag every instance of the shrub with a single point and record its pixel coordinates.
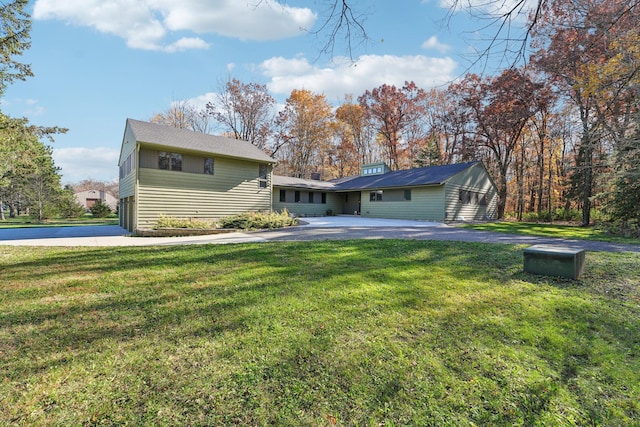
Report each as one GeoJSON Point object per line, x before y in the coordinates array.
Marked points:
{"type": "Point", "coordinates": [259, 220]}
{"type": "Point", "coordinates": [567, 215]}
{"type": "Point", "coordinates": [170, 222]}
{"type": "Point", "coordinates": [630, 228]}
{"type": "Point", "coordinates": [68, 206]}
{"type": "Point", "coordinates": [100, 209]}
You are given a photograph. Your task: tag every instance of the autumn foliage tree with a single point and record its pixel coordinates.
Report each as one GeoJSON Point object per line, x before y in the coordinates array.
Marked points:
{"type": "Point", "coordinates": [394, 112]}
{"type": "Point", "coordinates": [183, 115]}
{"type": "Point", "coordinates": [304, 137]}
{"type": "Point", "coordinates": [245, 110]}
{"type": "Point", "coordinates": [575, 41]}
{"type": "Point", "coordinates": [499, 107]}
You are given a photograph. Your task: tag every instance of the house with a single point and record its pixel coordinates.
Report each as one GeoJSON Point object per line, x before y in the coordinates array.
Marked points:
{"type": "Point", "coordinates": [462, 191]}
{"type": "Point", "coordinates": [184, 174]}
{"type": "Point", "coordinates": [180, 173]}
{"type": "Point", "coordinates": [88, 198]}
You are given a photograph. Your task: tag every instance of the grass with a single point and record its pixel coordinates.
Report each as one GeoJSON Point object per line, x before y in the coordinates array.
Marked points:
{"type": "Point", "coordinates": [382, 332]}
{"type": "Point", "coordinates": [552, 230]}
{"type": "Point", "coordinates": [26, 221]}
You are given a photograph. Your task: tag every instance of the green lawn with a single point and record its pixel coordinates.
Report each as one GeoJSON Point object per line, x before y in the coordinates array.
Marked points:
{"type": "Point", "coordinates": [372, 332]}
{"type": "Point", "coordinates": [552, 230]}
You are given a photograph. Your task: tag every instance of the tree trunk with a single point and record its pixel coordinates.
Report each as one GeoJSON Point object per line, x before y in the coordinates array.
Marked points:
{"type": "Point", "coordinates": [588, 183]}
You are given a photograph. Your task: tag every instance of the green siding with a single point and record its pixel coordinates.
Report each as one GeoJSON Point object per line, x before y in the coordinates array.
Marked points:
{"type": "Point", "coordinates": [232, 189]}
{"type": "Point", "coordinates": [127, 186]}
{"type": "Point", "coordinates": [307, 209]}
{"type": "Point", "coordinates": [474, 179]}
{"type": "Point", "coordinates": [128, 145]}
{"type": "Point", "coordinates": [427, 203]}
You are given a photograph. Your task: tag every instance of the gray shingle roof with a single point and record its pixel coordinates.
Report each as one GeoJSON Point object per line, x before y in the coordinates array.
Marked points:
{"type": "Point", "coordinates": [430, 175]}
{"type": "Point", "coordinates": [183, 139]}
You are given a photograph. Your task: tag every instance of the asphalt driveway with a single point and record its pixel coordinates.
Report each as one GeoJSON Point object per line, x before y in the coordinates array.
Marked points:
{"type": "Point", "coordinates": [322, 228]}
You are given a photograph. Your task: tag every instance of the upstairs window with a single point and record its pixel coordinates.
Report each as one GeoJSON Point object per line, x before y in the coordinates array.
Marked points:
{"type": "Point", "coordinates": [263, 172]}
{"type": "Point", "coordinates": [208, 166]}
{"type": "Point", "coordinates": [169, 161]}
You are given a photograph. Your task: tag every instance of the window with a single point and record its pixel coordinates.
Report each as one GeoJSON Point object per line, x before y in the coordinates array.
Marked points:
{"type": "Point", "coordinates": [169, 161]}
{"type": "Point", "coordinates": [310, 196]}
{"type": "Point", "coordinates": [128, 165]}
{"type": "Point", "coordinates": [263, 172]}
{"type": "Point", "coordinates": [407, 195]}
{"type": "Point", "coordinates": [283, 196]}
{"type": "Point", "coordinates": [324, 198]}
{"type": "Point", "coordinates": [375, 196]}
{"type": "Point", "coordinates": [297, 197]}
{"type": "Point", "coordinates": [468, 197]}
{"type": "Point", "coordinates": [208, 166]}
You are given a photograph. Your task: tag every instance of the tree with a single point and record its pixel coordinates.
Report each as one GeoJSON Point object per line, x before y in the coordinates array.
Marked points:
{"type": "Point", "coordinates": [624, 203]}
{"type": "Point", "coordinates": [393, 112]}
{"type": "Point", "coordinates": [68, 205]}
{"type": "Point", "coordinates": [576, 40]}
{"type": "Point", "coordinates": [500, 108]}
{"type": "Point", "coordinates": [100, 209]}
{"type": "Point", "coordinates": [183, 115]}
{"type": "Point", "coordinates": [28, 176]}
{"type": "Point", "coordinates": [354, 130]}
{"type": "Point", "coordinates": [15, 28]}
{"type": "Point", "coordinates": [304, 133]}
{"type": "Point", "coordinates": [245, 110]}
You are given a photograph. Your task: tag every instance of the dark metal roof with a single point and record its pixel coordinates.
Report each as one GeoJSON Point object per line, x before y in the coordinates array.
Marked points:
{"type": "Point", "coordinates": [182, 139]}
{"type": "Point", "coordinates": [430, 175]}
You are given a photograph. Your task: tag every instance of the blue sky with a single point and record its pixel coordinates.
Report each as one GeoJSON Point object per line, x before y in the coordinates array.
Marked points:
{"type": "Point", "coordinates": [98, 62]}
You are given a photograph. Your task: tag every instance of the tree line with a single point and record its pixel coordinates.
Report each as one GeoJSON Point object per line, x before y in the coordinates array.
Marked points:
{"type": "Point", "coordinates": [558, 135]}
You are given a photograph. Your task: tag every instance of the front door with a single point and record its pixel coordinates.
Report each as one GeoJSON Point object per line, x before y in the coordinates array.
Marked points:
{"type": "Point", "coordinates": [351, 203]}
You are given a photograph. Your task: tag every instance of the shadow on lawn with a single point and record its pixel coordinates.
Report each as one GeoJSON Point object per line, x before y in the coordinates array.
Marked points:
{"type": "Point", "coordinates": [67, 305]}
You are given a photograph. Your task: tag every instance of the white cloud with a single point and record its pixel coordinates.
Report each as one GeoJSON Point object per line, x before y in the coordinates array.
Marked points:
{"type": "Point", "coordinates": [78, 163]}
{"type": "Point", "coordinates": [24, 107]}
{"type": "Point", "coordinates": [187, 43]}
{"type": "Point", "coordinates": [433, 43]}
{"type": "Point", "coordinates": [257, 20]}
{"type": "Point", "coordinates": [200, 102]}
{"type": "Point", "coordinates": [345, 77]}
{"type": "Point", "coordinates": [145, 24]}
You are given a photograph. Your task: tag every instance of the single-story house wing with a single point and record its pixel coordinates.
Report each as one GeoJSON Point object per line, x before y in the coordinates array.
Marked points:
{"type": "Point", "coordinates": [462, 191]}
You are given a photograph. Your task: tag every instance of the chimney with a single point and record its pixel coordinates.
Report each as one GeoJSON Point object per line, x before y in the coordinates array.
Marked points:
{"type": "Point", "coordinates": [315, 176]}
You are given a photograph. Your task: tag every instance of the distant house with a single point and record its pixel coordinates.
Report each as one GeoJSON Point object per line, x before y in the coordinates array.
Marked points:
{"type": "Point", "coordinates": [88, 198]}
{"type": "Point", "coordinates": [180, 173]}
{"type": "Point", "coordinates": [461, 191]}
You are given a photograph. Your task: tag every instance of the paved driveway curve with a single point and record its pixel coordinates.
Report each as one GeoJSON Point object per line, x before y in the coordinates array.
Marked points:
{"type": "Point", "coordinates": [326, 228]}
